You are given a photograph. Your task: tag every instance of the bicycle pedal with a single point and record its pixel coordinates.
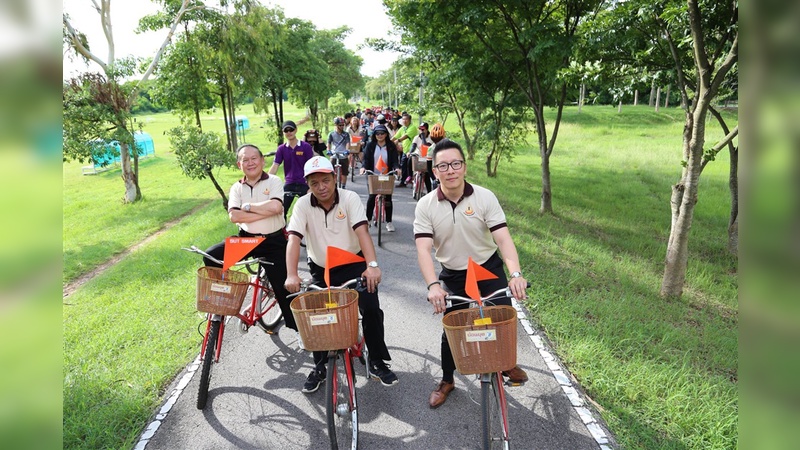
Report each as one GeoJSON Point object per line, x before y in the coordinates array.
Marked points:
{"type": "Point", "coordinates": [514, 384]}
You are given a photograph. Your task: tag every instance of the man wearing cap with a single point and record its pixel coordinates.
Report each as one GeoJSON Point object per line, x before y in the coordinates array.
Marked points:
{"type": "Point", "coordinates": [338, 140]}
{"type": "Point", "coordinates": [461, 221]}
{"type": "Point", "coordinates": [336, 217]}
{"type": "Point", "coordinates": [255, 205]}
{"type": "Point", "coordinates": [293, 154]}
{"type": "Point", "coordinates": [403, 137]}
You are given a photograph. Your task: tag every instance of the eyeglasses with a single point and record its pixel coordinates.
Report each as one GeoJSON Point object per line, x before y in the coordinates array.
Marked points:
{"type": "Point", "coordinates": [288, 130]}
{"type": "Point", "coordinates": [455, 165]}
{"type": "Point", "coordinates": [380, 133]}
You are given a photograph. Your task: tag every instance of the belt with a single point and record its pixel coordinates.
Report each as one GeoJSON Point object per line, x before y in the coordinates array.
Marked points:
{"type": "Point", "coordinates": [246, 234]}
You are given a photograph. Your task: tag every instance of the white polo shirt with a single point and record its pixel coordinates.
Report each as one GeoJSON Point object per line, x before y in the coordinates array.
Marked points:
{"type": "Point", "coordinates": [268, 187]}
{"type": "Point", "coordinates": [460, 230]}
{"type": "Point", "coordinates": [322, 228]}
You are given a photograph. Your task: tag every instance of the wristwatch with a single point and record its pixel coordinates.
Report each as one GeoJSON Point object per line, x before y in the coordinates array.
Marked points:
{"type": "Point", "coordinates": [516, 274]}
{"type": "Point", "coordinates": [373, 264]}
{"type": "Point", "coordinates": [246, 207]}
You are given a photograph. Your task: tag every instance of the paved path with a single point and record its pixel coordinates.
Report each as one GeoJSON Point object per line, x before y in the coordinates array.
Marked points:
{"type": "Point", "coordinates": [255, 399]}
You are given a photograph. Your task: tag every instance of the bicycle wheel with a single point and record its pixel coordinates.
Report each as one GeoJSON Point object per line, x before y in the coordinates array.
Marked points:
{"type": "Point", "coordinates": [418, 186]}
{"type": "Point", "coordinates": [271, 318]}
{"type": "Point", "coordinates": [495, 417]}
{"type": "Point", "coordinates": [342, 407]}
{"type": "Point", "coordinates": [208, 358]}
{"type": "Point", "coordinates": [379, 216]}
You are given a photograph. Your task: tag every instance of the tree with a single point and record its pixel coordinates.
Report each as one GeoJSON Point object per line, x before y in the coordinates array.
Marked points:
{"type": "Point", "coordinates": [200, 153]}
{"type": "Point", "coordinates": [112, 116]}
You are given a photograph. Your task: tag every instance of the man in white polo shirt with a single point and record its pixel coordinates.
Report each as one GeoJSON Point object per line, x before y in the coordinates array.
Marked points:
{"type": "Point", "coordinates": [460, 220]}
{"type": "Point", "coordinates": [256, 206]}
{"type": "Point", "coordinates": [336, 217]}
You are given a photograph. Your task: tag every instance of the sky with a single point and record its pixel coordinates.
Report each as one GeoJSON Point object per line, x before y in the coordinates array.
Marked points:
{"type": "Point", "coordinates": [367, 18]}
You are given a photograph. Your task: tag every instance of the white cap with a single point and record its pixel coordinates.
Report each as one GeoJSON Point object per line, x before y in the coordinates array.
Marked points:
{"type": "Point", "coordinates": [317, 164]}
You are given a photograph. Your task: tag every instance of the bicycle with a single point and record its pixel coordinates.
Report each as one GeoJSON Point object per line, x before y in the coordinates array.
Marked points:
{"type": "Point", "coordinates": [381, 185]}
{"type": "Point", "coordinates": [330, 326]}
{"type": "Point", "coordinates": [420, 172]}
{"type": "Point", "coordinates": [485, 349]}
{"type": "Point", "coordinates": [337, 166]}
{"type": "Point", "coordinates": [226, 293]}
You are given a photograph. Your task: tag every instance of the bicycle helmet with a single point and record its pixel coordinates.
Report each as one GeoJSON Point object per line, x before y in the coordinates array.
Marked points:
{"type": "Point", "coordinates": [338, 121]}
{"type": "Point", "coordinates": [437, 132]}
{"type": "Point", "coordinates": [312, 133]}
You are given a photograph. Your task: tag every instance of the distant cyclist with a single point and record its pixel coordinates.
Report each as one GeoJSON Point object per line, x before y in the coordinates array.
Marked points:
{"type": "Point", "coordinates": [338, 140]}
{"type": "Point", "coordinates": [314, 139]}
{"type": "Point", "coordinates": [381, 156]}
{"type": "Point", "coordinates": [293, 154]}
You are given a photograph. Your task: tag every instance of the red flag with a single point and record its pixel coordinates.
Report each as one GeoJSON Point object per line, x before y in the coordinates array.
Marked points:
{"type": "Point", "coordinates": [475, 273]}
{"type": "Point", "coordinates": [237, 247]}
{"type": "Point", "coordinates": [338, 257]}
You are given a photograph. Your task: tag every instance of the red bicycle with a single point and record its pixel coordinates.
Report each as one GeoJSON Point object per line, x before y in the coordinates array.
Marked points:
{"type": "Point", "coordinates": [328, 320]}
{"type": "Point", "coordinates": [220, 295]}
{"type": "Point", "coordinates": [381, 185]}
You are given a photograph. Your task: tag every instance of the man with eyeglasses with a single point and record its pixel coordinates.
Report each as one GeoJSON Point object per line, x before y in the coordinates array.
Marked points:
{"type": "Point", "coordinates": [460, 220]}
{"type": "Point", "coordinates": [293, 154]}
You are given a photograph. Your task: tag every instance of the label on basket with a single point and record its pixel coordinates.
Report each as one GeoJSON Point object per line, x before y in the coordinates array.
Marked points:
{"type": "Point", "coordinates": [481, 335]}
{"type": "Point", "coordinates": [224, 288]}
{"type": "Point", "coordinates": [323, 319]}
{"type": "Point", "coordinates": [482, 321]}
{"type": "Point", "coordinates": [383, 177]}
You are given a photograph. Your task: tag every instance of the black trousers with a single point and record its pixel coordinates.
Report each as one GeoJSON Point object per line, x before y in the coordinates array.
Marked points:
{"type": "Point", "coordinates": [273, 248]}
{"type": "Point", "coordinates": [368, 304]}
{"type": "Point", "coordinates": [289, 189]}
{"type": "Point", "coordinates": [454, 282]}
{"type": "Point", "coordinates": [371, 207]}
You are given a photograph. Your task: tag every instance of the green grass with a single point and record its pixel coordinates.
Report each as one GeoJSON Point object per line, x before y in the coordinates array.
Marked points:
{"type": "Point", "coordinates": [664, 372]}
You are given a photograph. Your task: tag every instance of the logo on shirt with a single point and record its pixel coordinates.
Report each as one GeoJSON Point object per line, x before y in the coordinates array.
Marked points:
{"type": "Point", "coordinates": [469, 211]}
{"type": "Point", "coordinates": [340, 214]}
{"type": "Point", "coordinates": [266, 191]}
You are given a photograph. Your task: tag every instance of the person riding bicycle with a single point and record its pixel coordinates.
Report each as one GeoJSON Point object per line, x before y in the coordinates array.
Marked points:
{"type": "Point", "coordinates": [338, 140]}
{"type": "Point", "coordinates": [459, 221]}
{"type": "Point", "coordinates": [355, 129]}
{"type": "Point", "coordinates": [423, 138]}
{"type": "Point", "coordinates": [380, 157]}
{"type": "Point", "coordinates": [335, 217]}
{"type": "Point", "coordinates": [293, 154]}
{"type": "Point", "coordinates": [255, 205]}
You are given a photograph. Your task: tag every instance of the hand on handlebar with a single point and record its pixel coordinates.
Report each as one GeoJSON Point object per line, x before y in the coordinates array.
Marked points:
{"type": "Point", "coordinates": [436, 297]}
{"type": "Point", "coordinates": [292, 283]}
{"type": "Point", "coordinates": [373, 277]}
{"type": "Point", "coordinates": [518, 286]}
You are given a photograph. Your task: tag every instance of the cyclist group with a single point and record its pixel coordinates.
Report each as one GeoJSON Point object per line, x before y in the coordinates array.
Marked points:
{"type": "Point", "coordinates": [457, 220]}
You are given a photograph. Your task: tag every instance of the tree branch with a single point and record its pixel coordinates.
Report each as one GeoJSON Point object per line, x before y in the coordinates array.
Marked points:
{"type": "Point", "coordinates": [709, 156]}
{"type": "Point", "coordinates": [77, 44]}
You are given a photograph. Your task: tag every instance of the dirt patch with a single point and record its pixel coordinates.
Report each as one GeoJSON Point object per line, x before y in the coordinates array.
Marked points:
{"type": "Point", "coordinates": [71, 287]}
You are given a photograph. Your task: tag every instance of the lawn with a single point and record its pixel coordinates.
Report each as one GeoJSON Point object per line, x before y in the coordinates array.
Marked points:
{"type": "Point", "coordinates": [664, 372]}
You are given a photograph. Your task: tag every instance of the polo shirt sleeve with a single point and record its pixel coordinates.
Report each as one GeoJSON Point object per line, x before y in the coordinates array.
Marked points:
{"type": "Point", "coordinates": [298, 223]}
{"type": "Point", "coordinates": [423, 227]}
{"type": "Point", "coordinates": [276, 188]}
{"type": "Point", "coordinates": [494, 216]}
{"type": "Point", "coordinates": [279, 155]}
{"type": "Point", "coordinates": [235, 196]}
{"type": "Point", "coordinates": [356, 211]}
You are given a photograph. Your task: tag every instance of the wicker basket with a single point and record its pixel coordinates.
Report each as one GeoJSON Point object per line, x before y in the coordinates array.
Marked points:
{"type": "Point", "coordinates": [324, 328]}
{"type": "Point", "coordinates": [420, 164]}
{"type": "Point", "coordinates": [221, 292]}
{"type": "Point", "coordinates": [482, 348]}
{"type": "Point", "coordinates": [380, 184]}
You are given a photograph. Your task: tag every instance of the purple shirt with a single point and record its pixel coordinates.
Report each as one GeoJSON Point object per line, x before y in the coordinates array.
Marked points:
{"type": "Point", "coordinates": [293, 160]}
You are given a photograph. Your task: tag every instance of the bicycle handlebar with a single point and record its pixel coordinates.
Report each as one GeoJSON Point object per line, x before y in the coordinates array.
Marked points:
{"type": "Point", "coordinates": [194, 249]}
{"type": "Point", "coordinates": [359, 284]}
{"type": "Point", "coordinates": [506, 291]}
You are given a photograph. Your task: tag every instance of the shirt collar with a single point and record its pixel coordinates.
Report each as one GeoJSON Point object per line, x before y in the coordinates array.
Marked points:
{"type": "Point", "coordinates": [264, 176]}
{"type": "Point", "coordinates": [317, 204]}
{"type": "Point", "coordinates": [468, 190]}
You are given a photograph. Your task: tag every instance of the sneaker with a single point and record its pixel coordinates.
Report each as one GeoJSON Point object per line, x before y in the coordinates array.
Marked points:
{"type": "Point", "coordinates": [389, 227]}
{"type": "Point", "coordinates": [381, 371]}
{"type": "Point", "coordinates": [373, 223]}
{"type": "Point", "coordinates": [315, 378]}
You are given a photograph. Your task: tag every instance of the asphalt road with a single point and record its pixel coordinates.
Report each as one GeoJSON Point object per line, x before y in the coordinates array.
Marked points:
{"type": "Point", "coordinates": [255, 399]}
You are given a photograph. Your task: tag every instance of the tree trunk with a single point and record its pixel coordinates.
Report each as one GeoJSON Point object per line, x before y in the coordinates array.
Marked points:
{"type": "Point", "coordinates": [276, 116]}
{"type": "Point", "coordinates": [581, 97]}
{"type": "Point", "coordinates": [635, 97]}
{"type": "Point", "coordinates": [210, 175]}
{"type": "Point", "coordinates": [132, 192]}
{"type": "Point", "coordinates": [658, 97]}
{"type": "Point", "coordinates": [619, 108]}
{"type": "Point", "coordinates": [733, 185]}
{"type": "Point", "coordinates": [547, 194]}
{"type": "Point", "coordinates": [227, 121]}
{"type": "Point", "coordinates": [666, 98]}
{"type": "Point", "coordinates": [197, 118]}
{"type": "Point", "coordinates": [232, 114]}
{"type": "Point", "coordinates": [683, 201]}
{"type": "Point", "coordinates": [652, 94]}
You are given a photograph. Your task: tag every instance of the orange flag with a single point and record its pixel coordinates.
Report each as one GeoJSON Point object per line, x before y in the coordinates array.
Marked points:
{"type": "Point", "coordinates": [423, 150]}
{"type": "Point", "coordinates": [338, 257]}
{"type": "Point", "coordinates": [475, 273]}
{"type": "Point", "coordinates": [237, 247]}
{"type": "Point", "coordinates": [381, 166]}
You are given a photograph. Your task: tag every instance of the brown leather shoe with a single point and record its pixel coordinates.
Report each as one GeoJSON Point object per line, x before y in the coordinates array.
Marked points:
{"type": "Point", "coordinates": [516, 375]}
{"type": "Point", "coordinates": [440, 394]}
